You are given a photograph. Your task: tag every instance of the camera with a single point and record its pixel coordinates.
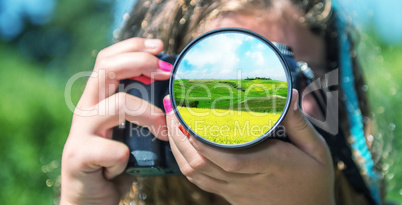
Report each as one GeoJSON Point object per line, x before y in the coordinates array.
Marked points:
{"type": "Point", "coordinates": [149, 156]}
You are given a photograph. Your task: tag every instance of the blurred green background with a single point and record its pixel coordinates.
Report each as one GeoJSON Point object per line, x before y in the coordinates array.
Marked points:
{"type": "Point", "coordinates": [45, 42]}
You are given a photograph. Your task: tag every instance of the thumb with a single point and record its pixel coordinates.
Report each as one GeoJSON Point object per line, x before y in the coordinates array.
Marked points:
{"type": "Point", "coordinates": [302, 134]}
{"type": "Point", "coordinates": [170, 116]}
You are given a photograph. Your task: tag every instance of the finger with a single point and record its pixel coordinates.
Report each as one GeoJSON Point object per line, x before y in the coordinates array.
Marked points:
{"type": "Point", "coordinates": [189, 159]}
{"type": "Point", "coordinates": [109, 71]}
{"type": "Point", "coordinates": [121, 107]}
{"type": "Point", "coordinates": [204, 181]}
{"type": "Point", "coordinates": [186, 156]}
{"type": "Point", "coordinates": [196, 167]}
{"type": "Point", "coordinates": [302, 134]}
{"type": "Point", "coordinates": [244, 161]}
{"type": "Point", "coordinates": [134, 64]}
{"type": "Point", "coordinates": [153, 46]}
{"type": "Point", "coordinates": [191, 162]}
{"type": "Point", "coordinates": [208, 184]}
{"type": "Point", "coordinates": [106, 154]}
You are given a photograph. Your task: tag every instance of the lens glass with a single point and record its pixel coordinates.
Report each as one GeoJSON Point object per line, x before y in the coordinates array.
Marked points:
{"type": "Point", "coordinates": [230, 88]}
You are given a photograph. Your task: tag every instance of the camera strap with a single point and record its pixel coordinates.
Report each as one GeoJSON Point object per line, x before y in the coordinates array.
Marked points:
{"type": "Point", "coordinates": [361, 153]}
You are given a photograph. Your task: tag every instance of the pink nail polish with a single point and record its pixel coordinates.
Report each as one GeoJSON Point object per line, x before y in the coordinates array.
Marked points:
{"type": "Point", "coordinates": [165, 66]}
{"type": "Point", "coordinates": [168, 105]}
{"type": "Point", "coordinates": [143, 79]}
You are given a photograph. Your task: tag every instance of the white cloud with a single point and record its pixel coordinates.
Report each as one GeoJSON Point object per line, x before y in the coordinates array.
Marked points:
{"type": "Point", "coordinates": [221, 56]}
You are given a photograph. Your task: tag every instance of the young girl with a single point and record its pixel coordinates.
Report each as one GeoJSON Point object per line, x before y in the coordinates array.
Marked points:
{"type": "Point", "coordinates": [304, 171]}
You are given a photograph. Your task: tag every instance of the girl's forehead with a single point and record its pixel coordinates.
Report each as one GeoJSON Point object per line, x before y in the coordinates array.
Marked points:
{"type": "Point", "coordinates": [274, 21]}
{"type": "Point", "coordinates": [272, 29]}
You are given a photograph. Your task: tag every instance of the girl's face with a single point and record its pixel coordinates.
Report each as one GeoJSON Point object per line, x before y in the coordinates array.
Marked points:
{"type": "Point", "coordinates": [288, 30]}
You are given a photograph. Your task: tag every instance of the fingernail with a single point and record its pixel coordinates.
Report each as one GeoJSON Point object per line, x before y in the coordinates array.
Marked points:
{"type": "Point", "coordinates": [184, 131]}
{"type": "Point", "coordinates": [165, 66]}
{"type": "Point", "coordinates": [168, 105]}
{"type": "Point", "coordinates": [143, 79]}
{"type": "Point", "coordinates": [152, 43]}
{"type": "Point", "coordinates": [296, 104]}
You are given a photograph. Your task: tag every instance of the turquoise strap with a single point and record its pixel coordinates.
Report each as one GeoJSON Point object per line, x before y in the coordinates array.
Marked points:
{"type": "Point", "coordinates": [354, 114]}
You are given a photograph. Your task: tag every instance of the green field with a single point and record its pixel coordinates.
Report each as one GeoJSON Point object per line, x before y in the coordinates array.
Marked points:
{"type": "Point", "coordinates": [230, 111]}
{"type": "Point", "coordinates": [258, 95]}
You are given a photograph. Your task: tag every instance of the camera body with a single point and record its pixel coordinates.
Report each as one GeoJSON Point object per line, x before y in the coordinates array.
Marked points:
{"type": "Point", "coordinates": [149, 156]}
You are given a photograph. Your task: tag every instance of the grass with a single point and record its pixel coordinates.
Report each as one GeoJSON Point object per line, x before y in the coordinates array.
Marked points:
{"type": "Point", "coordinates": [230, 111]}
{"type": "Point", "coordinates": [271, 104]}
{"type": "Point", "coordinates": [34, 124]}
{"type": "Point", "coordinates": [255, 95]}
{"type": "Point", "coordinates": [384, 83]}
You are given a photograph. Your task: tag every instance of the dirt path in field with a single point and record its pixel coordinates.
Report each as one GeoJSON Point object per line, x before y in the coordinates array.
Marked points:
{"type": "Point", "coordinates": [268, 98]}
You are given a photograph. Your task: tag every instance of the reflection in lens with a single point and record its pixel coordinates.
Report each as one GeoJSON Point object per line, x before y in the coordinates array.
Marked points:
{"type": "Point", "coordinates": [230, 88]}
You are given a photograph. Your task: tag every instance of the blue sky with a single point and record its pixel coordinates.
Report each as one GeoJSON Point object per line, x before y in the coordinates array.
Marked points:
{"type": "Point", "coordinates": [230, 56]}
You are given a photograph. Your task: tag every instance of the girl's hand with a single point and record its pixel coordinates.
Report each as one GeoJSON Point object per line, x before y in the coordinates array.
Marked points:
{"type": "Point", "coordinates": [272, 172]}
{"type": "Point", "coordinates": [91, 159]}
